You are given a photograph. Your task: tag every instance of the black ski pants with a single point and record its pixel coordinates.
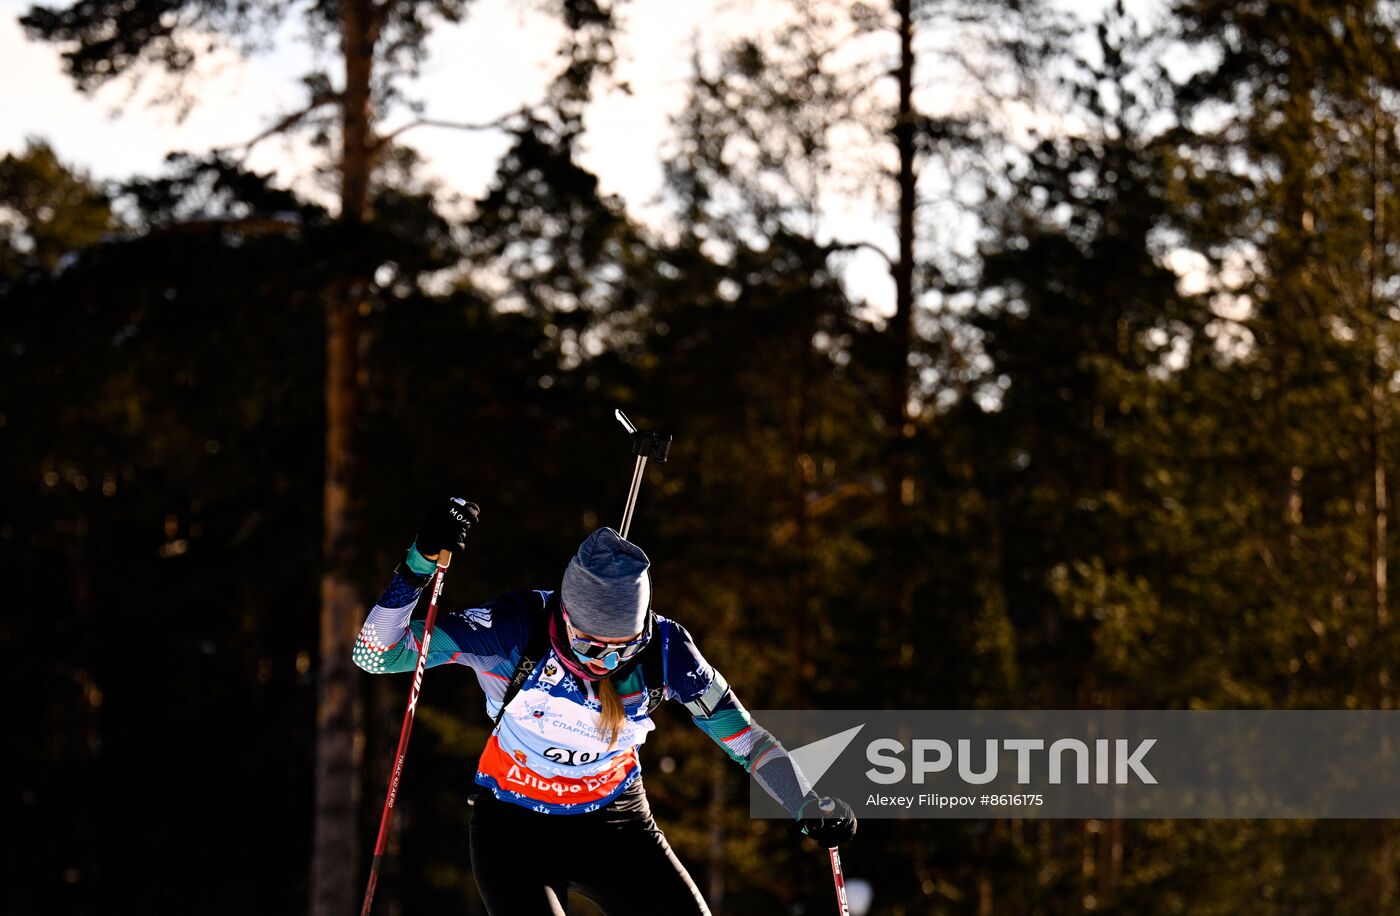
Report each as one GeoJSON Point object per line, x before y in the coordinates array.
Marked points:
{"type": "Point", "coordinates": [526, 863]}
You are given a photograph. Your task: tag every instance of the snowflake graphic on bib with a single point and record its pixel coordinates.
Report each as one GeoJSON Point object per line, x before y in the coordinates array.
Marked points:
{"type": "Point", "coordinates": [538, 713]}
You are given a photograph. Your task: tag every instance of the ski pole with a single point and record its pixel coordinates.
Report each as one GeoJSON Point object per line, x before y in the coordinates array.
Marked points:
{"type": "Point", "coordinates": [826, 806]}
{"type": "Point", "coordinates": [645, 444]}
{"type": "Point", "coordinates": [383, 841]}
{"type": "Point", "coordinates": [840, 878]}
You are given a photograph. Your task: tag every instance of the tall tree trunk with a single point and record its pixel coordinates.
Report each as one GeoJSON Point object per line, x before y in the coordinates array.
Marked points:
{"type": "Point", "coordinates": [898, 480]}
{"type": "Point", "coordinates": [1378, 503]}
{"type": "Point", "coordinates": [339, 727]}
{"type": "Point", "coordinates": [1376, 396]}
{"type": "Point", "coordinates": [901, 332]}
{"type": "Point", "coordinates": [801, 618]}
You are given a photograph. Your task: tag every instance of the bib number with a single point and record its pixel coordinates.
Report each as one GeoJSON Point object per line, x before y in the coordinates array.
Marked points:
{"type": "Point", "coordinates": [570, 757]}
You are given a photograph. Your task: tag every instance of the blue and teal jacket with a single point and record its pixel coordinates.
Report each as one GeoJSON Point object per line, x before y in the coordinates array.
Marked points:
{"type": "Point", "coordinates": [548, 753]}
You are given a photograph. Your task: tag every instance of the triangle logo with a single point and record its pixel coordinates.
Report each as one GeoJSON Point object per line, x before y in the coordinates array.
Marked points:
{"type": "Point", "coordinates": [816, 758]}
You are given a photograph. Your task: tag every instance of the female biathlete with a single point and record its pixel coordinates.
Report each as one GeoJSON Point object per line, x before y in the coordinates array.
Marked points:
{"type": "Point", "coordinates": [562, 806]}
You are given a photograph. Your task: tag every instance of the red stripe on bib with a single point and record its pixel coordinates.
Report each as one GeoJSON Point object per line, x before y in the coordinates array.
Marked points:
{"type": "Point", "coordinates": [508, 773]}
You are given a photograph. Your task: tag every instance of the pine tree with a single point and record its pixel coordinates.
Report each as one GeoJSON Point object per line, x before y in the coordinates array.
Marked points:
{"type": "Point", "coordinates": [49, 211]}
{"type": "Point", "coordinates": [380, 45]}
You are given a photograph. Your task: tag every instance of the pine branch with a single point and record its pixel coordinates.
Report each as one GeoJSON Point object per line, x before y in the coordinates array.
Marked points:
{"type": "Point", "coordinates": [289, 121]}
{"type": "Point", "coordinates": [498, 124]}
{"type": "Point", "coordinates": [378, 15]}
{"type": "Point", "coordinates": [842, 247]}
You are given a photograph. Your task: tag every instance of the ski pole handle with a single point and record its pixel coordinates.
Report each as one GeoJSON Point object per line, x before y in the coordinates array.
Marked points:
{"type": "Point", "coordinates": [380, 844]}
{"type": "Point", "coordinates": [645, 445]}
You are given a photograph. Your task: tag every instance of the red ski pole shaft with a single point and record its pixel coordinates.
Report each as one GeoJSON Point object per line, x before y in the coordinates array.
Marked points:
{"type": "Point", "coordinates": [383, 841]}
{"type": "Point", "coordinates": [840, 878]}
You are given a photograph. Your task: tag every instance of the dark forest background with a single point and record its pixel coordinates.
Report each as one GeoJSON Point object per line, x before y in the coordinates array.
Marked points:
{"type": "Point", "coordinates": [1068, 472]}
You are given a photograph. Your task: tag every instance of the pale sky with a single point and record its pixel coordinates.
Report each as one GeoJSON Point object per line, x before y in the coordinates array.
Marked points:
{"type": "Point", "coordinates": [498, 59]}
{"type": "Point", "coordinates": [501, 57]}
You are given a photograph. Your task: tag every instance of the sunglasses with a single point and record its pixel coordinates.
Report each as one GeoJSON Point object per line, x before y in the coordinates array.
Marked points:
{"type": "Point", "coordinates": [609, 654]}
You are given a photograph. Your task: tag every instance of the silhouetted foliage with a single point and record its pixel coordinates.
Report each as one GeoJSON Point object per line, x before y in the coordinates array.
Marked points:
{"type": "Point", "coordinates": [1145, 464]}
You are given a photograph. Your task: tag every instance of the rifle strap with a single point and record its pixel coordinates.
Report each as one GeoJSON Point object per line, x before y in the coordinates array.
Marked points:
{"type": "Point", "coordinates": [536, 645]}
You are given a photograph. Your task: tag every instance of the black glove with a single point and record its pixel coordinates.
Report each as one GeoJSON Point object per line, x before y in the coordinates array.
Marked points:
{"type": "Point", "coordinates": [829, 821]}
{"type": "Point", "coordinates": [446, 525]}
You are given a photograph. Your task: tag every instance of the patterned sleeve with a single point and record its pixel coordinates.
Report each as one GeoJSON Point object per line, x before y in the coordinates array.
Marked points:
{"type": "Point", "coordinates": [483, 638]}
{"type": "Point", "coordinates": [718, 713]}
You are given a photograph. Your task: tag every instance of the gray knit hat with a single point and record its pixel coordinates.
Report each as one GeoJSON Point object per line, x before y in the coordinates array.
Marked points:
{"type": "Point", "coordinates": [606, 586]}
